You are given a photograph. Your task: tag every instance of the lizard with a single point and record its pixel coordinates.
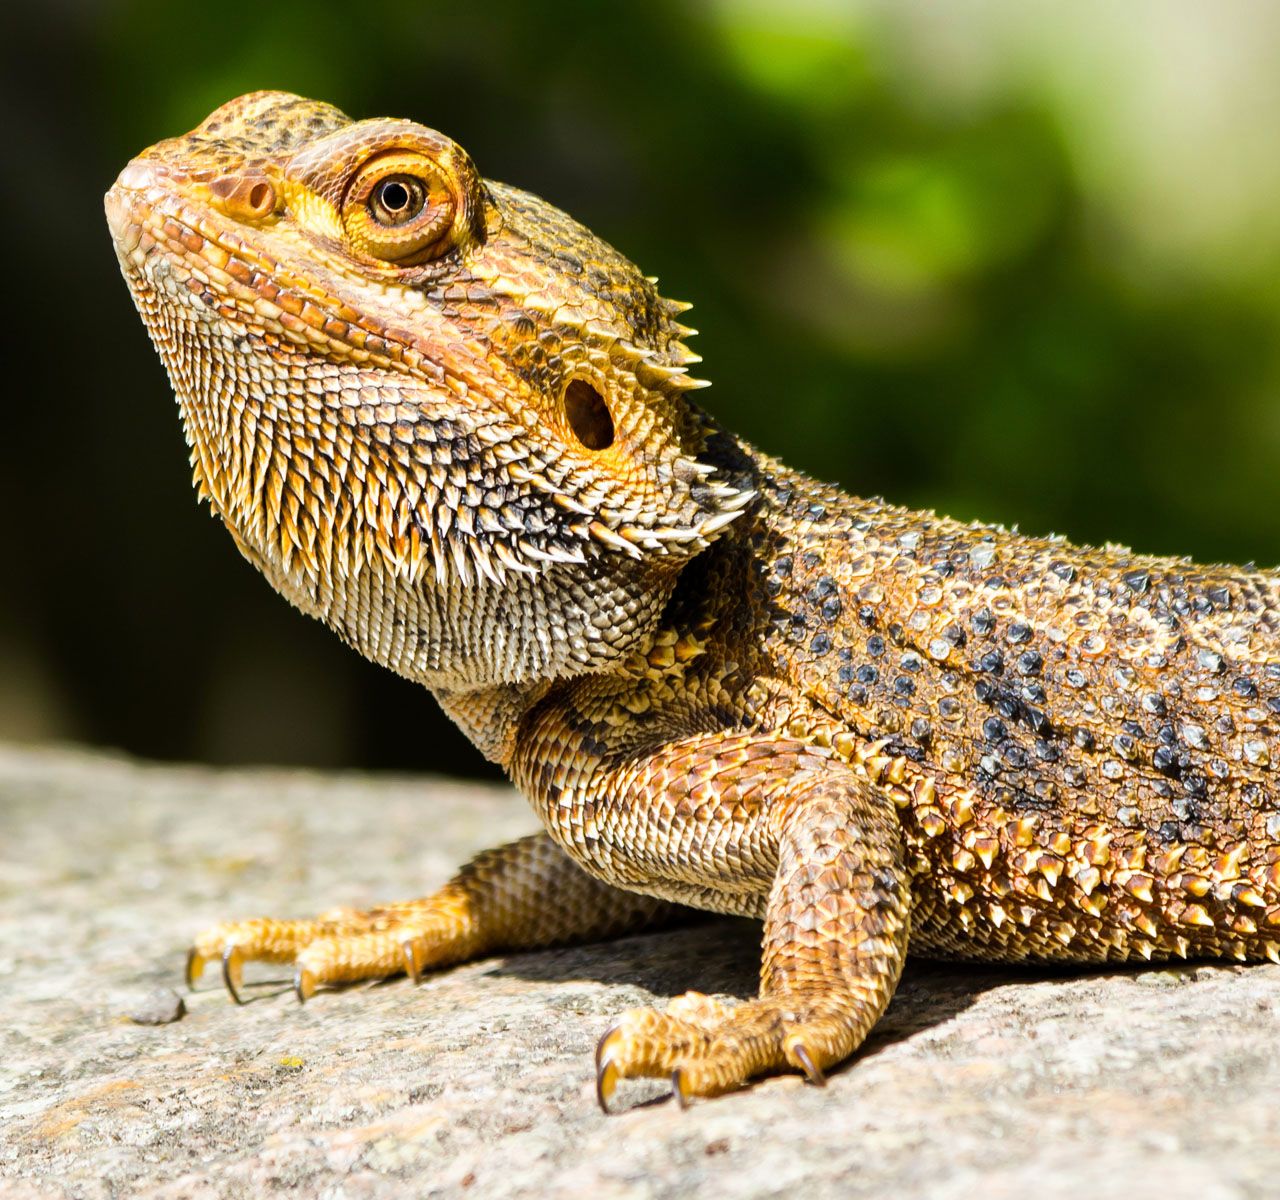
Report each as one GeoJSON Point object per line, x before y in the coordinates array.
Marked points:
{"type": "Point", "coordinates": [445, 419]}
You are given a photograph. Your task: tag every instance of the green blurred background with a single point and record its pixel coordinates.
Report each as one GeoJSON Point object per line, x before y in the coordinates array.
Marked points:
{"type": "Point", "coordinates": [1015, 261]}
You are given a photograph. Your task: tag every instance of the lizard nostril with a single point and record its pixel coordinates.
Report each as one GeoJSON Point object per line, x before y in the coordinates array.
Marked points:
{"type": "Point", "coordinates": [588, 415]}
{"type": "Point", "coordinates": [246, 199]}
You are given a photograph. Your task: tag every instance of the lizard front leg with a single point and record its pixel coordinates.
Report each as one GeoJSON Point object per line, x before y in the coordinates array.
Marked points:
{"type": "Point", "coordinates": [759, 826]}
{"type": "Point", "coordinates": [523, 895]}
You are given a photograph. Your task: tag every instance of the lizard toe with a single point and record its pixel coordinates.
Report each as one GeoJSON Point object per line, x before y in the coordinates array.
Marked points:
{"type": "Point", "coordinates": [702, 1045]}
{"type": "Point", "coordinates": [342, 946]}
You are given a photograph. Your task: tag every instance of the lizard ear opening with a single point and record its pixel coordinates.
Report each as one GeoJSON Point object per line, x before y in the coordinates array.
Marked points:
{"type": "Point", "coordinates": [588, 415]}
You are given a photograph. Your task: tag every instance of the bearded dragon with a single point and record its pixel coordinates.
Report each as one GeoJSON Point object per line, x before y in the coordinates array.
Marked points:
{"type": "Point", "coordinates": [449, 422]}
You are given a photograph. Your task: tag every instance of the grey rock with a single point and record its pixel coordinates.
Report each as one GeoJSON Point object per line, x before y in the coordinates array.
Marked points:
{"type": "Point", "coordinates": [160, 1006]}
{"type": "Point", "coordinates": [978, 1082]}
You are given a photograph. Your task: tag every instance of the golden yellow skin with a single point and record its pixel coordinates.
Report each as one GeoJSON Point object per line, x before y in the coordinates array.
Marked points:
{"type": "Point", "coordinates": [448, 421]}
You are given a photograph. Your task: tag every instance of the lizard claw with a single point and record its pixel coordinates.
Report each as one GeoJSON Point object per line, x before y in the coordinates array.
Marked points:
{"type": "Point", "coordinates": [606, 1068]}
{"type": "Point", "coordinates": [412, 962]}
{"type": "Point", "coordinates": [232, 971]}
{"type": "Point", "coordinates": [195, 967]}
{"type": "Point", "coordinates": [811, 1069]}
{"type": "Point", "coordinates": [304, 985]}
{"type": "Point", "coordinates": [680, 1087]}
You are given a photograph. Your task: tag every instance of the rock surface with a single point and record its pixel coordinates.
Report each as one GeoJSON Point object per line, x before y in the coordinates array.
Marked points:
{"type": "Point", "coordinates": [978, 1082]}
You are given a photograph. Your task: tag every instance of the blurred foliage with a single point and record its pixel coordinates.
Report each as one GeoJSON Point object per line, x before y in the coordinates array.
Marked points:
{"type": "Point", "coordinates": [1016, 261]}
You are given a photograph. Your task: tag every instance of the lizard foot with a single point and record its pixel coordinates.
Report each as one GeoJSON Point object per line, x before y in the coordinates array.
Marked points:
{"type": "Point", "coordinates": [340, 946]}
{"type": "Point", "coordinates": [497, 901]}
{"type": "Point", "coordinates": [706, 1047]}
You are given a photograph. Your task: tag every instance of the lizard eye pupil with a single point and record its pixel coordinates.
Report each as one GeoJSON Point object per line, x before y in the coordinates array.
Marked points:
{"type": "Point", "coordinates": [588, 415]}
{"type": "Point", "coordinates": [397, 200]}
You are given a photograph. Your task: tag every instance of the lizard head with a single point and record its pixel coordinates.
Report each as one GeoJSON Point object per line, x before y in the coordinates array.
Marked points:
{"type": "Point", "coordinates": [435, 411]}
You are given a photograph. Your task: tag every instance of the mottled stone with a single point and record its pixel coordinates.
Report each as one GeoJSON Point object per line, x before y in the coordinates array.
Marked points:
{"type": "Point", "coordinates": [160, 1006]}
{"type": "Point", "coordinates": [978, 1081]}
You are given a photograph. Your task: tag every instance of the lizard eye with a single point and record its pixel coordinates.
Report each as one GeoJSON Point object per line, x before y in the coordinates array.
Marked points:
{"type": "Point", "coordinates": [399, 208]}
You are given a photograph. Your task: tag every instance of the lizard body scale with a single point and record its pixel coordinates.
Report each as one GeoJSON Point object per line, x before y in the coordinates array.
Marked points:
{"type": "Point", "coordinates": [446, 420]}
